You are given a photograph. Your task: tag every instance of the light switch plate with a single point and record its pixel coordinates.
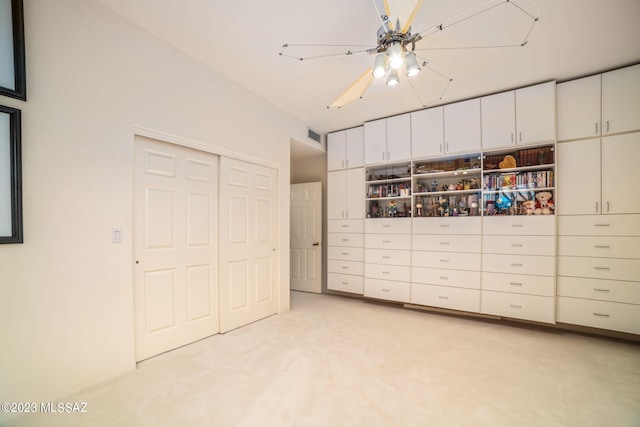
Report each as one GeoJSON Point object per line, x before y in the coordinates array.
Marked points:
{"type": "Point", "coordinates": [116, 235]}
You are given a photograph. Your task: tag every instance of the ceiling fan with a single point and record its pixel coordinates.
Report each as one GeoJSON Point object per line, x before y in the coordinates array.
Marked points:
{"type": "Point", "coordinates": [397, 45]}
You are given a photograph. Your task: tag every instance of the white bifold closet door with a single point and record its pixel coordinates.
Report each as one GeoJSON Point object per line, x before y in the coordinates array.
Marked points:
{"type": "Point", "coordinates": [248, 243]}
{"type": "Point", "coordinates": [175, 246]}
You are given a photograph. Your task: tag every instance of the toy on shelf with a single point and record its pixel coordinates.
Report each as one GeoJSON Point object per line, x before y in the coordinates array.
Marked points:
{"type": "Point", "coordinates": [544, 203]}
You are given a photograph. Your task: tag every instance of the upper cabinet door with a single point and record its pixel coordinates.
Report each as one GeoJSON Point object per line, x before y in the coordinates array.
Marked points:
{"type": "Point", "coordinates": [336, 150]}
{"type": "Point", "coordinates": [354, 147]}
{"type": "Point", "coordinates": [427, 132]}
{"type": "Point", "coordinates": [498, 120]}
{"type": "Point", "coordinates": [462, 126]}
{"type": "Point", "coordinates": [579, 108]}
{"type": "Point", "coordinates": [536, 113]}
{"type": "Point", "coordinates": [621, 100]}
{"type": "Point", "coordinates": [399, 138]}
{"type": "Point", "coordinates": [375, 142]}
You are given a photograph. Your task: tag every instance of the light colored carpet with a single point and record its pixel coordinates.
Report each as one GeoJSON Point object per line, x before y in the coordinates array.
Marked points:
{"type": "Point", "coordinates": [335, 361]}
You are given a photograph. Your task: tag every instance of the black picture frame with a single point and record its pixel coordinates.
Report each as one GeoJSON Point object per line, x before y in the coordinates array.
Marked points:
{"type": "Point", "coordinates": [19, 90]}
{"type": "Point", "coordinates": [14, 198]}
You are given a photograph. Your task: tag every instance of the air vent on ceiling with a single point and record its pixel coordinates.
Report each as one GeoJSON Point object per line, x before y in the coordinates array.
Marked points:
{"type": "Point", "coordinates": [315, 136]}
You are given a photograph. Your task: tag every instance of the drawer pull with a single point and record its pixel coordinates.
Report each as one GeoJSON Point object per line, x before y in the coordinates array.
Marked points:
{"type": "Point", "coordinates": [602, 290]}
{"type": "Point", "coordinates": [344, 267]}
{"type": "Point", "coordinates": [345, 253]}
{"type": "Point", "coordinates": [602, 268]}
{"type": "Point", "coordinates": [444, 278]}
{"type": "Point", "coordinates": [386, 241]}
{"type": "Point", "coordinates": [515, 306]}
{"type": "Point", "coordinates": [515, 284]}
{"type": "Point", "coordinates": [445, 243]}
{"type": "Point", "coordinates": [345, 225]}
{"type": "Point", "coordinates": [513, 264]}
{"type": "Point", "coordinates": [344, 283]}
{"type": "Point", "coordinates": [386, 290]}
{"type": "Point", "coordinates": [386, 272]}
{"type": "Point", "coordinates": [517, 245]}
{"type": "Point", "coordinates": [386, 257]}
{"type": "Point", "coordinates": [602, 247]}
{"type": "Point", "coordinates": [602, 225]}
{"type": "Point", "coordinates": [345, 240]}
{"type": "Point", "coordinates": [444, 260]}
{"type": "Point", "coordinates": [601, 315]}
{"type": "Point", "coordinates": [442, 297]}
{"type": "Point", "coordinates": [517, 225]}
{"type": "Point", "coordinates": [386, 225]}
{"type": "Point", "coordinates": [445, 225]}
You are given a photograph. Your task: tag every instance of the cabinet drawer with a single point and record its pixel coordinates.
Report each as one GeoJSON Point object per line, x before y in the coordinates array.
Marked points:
{"type": "Point", "coordinates": [388, 225]}
{"type": "Point", "coordinates": [599, 268]}
{"type": "Point", "coordinates": [351, 240]}
{"type": "Point", "coordinates": [387, 241]}
{"type": "Point", "coordinates": [445, 243]}
{"type": "Point", "coordinates": [519, 264]}
{"type": "Point", "coordinates": [599, 225]}
{"type": "Point", "coordinates": [345, 253]}
{"type": "Point", "coordinates": [459, 225]}
{"type": "Point", "coordinates": [387, 256]}
{"type": "Point", "coordinates": [599, 314]}
{"type": "Point", "coordinates": [387, 290]}
{"type": "Point", "coordinates": [446, 297]}
{"type": "Point", "coordinates": [519, 306]}
{"type": "Point", "coordinates": [519, 245]}
{"type": "Point", "coordinates": [442, 277]}
{"type": "Point", "coordinates": [388, 272]}
{"type": "Point", "coordinates": [446, 260]}
{"type": "Point", "coordinates": [345, 267]}
{"type": "Point", "coordinates": [527, 225]}
{"type": "Point", "coordinates": [345, 226]}
{"type": "Point", "coordinates": [599, 246]}
{"type": "Point", "coordinates": [599, 289]}
{"type": "Point", "coordinates": [519, 284]}
{"type": "Point", "coordinates": [345, 283]}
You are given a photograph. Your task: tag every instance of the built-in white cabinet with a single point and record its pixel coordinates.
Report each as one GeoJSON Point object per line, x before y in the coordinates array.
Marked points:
{"type": "Point", "coordinates": [345, 149]}
{"type": "Point", "coordinates": [345, 194]}
{"type": "Point", "coordinates": [427, 132]}
{"type": "Point", "coordinates": [594, 175]}
{"type": "Point", "coordinates": [387, 140]}
{"type": "Point", "coordinates": [345, 256]}
{"type": "Point", "coordinates": [466, 138]}
{"type": "Point", "coordinates": [603, 104]}
{"type": "Point", "coordinates": [523, 116]}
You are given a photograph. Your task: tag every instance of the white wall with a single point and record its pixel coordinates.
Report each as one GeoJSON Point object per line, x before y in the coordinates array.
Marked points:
{"type": "Point", "coordinates": [66, 297]}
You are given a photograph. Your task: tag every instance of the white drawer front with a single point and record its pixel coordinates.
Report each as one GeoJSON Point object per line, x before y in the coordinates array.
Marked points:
{"type": "Point", "coordinates": [387, 256]}
{"type": "Point", "coordinates": [599, 225]}
{"type": "Point", "coordinates": [388, 272]}
{"type": "Point", "coordinates": [351, 240]}
{"type": "Point", "coordinates": [519, 264]}
{"type": "Point", "coordinates": [519, 245]}
{"type": "Point", "coordinates": [446, 260]}
{"type": "Point", "coordinates": [460, 225]}
{"type": "Point", "coordinates": [388, 225]}
{"type": "Point", "coordinates": [345, 267]}
{"type": "Point", "coordinates": [600, 314]}
{"type": "Point", "coordinates": [599, 246]}
{"type": "Point", "coordinates": [387, 241]}
{"type": "Point", "coordinates": [599, 289]}
{"type": "Point", "coordinates": [519, 284]}
{"type": "Point", "coordinates": [345, 253]}
{"type": "Point", "coordinates": [519, 306]}
{"type": "Point", "coordinates": [387, 290]}
{"type": "Point", "coordinates": [437, 276]}
{"type": "Point", "coordinates": [599, 268]}
{"type": "Point", "coordinates": [446, 297]}
{"type": "Point", "coordinates": [446, 243]}
{"type": "Point", "coordinates": [345, 226]}
{"type": "Point", "coordinates": [345, 283]}
{"type": "Point", "coordinates": [527, 225]}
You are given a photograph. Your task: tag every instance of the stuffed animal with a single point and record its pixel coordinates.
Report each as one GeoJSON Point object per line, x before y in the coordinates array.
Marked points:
{"type": "Point", "coordinates": [544, 203]}
{"type": "Point", "coordinates": [528, 207]}
{"type": "Point", "coordinates": [508, 162]}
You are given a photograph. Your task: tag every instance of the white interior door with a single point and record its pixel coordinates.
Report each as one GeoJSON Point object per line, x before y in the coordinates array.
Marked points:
{"type": "Point", "coordinates": [175, 246]}
{"type": "Point", "coordinates": [248, 243]}
{"type": "Point", "coordinates": [306, 237]}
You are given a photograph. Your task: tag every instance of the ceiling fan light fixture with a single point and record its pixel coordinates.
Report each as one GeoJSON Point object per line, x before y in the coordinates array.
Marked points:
{"type": "Point", "coordinates": [395, 53]}
{"type": "Point", "coordinates": [392, 78]}
{"type": "Point", "coordinates": [411, 64]}
{"type": "Point", "coordinates": [379, 65]}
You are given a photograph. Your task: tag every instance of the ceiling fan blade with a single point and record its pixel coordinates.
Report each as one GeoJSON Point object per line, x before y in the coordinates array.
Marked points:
{"type": "Point", "coordinates": [355, 91]}
{"type": "Point", "coordinates": [382, 10]}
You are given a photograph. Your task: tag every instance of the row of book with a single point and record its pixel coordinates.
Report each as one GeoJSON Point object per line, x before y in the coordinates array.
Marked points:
{"type": "Point", "coordinates": [389, 190]}
{"type": "Point", "coordinates": [519, 181]}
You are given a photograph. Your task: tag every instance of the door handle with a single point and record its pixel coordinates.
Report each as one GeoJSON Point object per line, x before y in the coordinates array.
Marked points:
{"type": "Point", "coordinates": [316, 244]}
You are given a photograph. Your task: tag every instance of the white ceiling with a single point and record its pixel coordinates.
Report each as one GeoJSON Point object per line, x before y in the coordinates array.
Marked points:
{"type": "Point", "coordinates": [242, 39]}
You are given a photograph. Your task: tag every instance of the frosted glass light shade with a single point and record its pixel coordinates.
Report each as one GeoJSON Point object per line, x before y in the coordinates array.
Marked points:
{"type": "Point", "coordinates": [392, 78]}
{"type": "Point", "coordinates": [411, 64]}
{"type": "Point", "coordinates": [379, 65]}
{"type": "Point", "coordinates": [395, 55]}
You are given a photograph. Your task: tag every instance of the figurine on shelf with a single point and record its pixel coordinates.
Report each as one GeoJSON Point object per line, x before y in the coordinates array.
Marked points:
{"type": "Point", "coordinates": [418, 209]}
{"type": "Point", "coordinates": [393, 209]}
{"type": "Point", "coordinates": [434, 186]}
{"type": "Point", "coordinates": [544, 203]}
